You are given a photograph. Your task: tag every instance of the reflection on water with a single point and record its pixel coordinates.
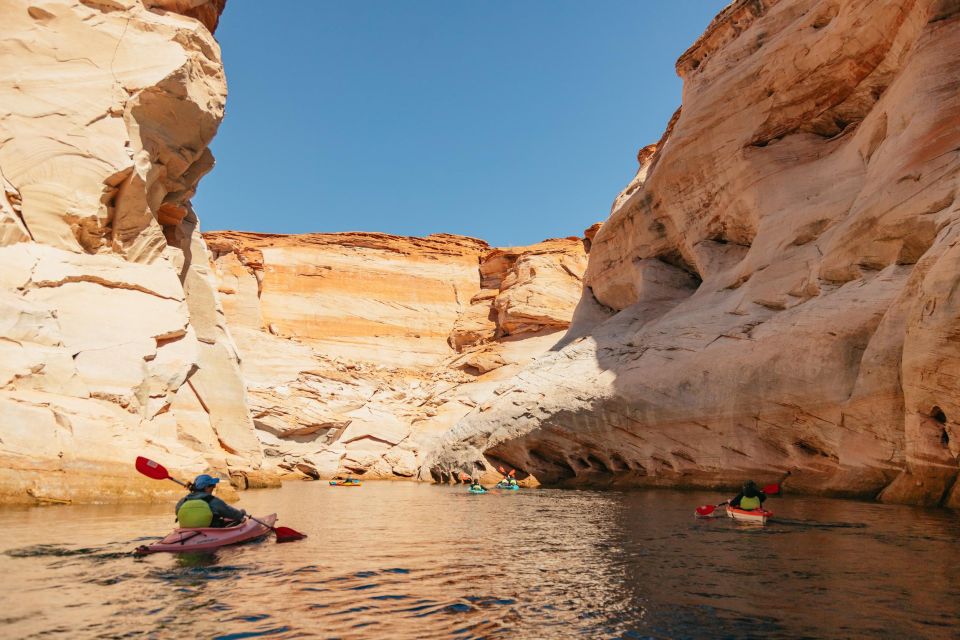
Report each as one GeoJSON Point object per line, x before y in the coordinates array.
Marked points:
{"type": "Point", "coordinates": [400, 560]}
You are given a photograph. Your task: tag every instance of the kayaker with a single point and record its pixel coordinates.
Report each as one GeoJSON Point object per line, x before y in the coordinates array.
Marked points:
{"type": "Point", "coordinates": [751, 497]}
{"type": "Point", "coordinates": [201, 509]}
{"type": "Point", "coordinates": [513, 482]}
{"type": "Point", "coordinates": [476, 486]}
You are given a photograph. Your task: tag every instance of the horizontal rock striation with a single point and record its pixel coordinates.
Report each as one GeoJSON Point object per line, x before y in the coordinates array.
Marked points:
{"type": "Point", "coordinates": [776, 289]}
{"type": "Point", "coordinates": [112, 343]}
{"type": "Point", "coordinates": [361, 349]}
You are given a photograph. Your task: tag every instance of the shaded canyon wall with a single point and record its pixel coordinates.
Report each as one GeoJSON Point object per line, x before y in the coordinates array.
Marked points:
{"type": "Point", "coordinates": [777, 288]}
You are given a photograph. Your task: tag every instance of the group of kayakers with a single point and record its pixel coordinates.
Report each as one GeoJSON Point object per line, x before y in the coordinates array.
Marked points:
{"type": "Point", "coordinates": [477, 487]}
{"type": "Point", "coordinates": [200, 508]}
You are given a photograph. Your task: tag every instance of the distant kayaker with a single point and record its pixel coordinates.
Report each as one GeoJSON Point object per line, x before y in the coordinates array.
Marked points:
{"type": "Point", "coordinates": [513, 482]}
{"type": "Point", "coordinates": [476, 486]}
{"type": "Point", "coordinates": [750, 497]}
{"type": "Point", "coordinates": [201, 509]}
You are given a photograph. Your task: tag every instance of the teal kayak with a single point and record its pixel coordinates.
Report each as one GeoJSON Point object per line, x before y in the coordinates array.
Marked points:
{"type": "Point", "coordinates": [475, 491]}
{"type": "Point", "coordinates": [508, 487]}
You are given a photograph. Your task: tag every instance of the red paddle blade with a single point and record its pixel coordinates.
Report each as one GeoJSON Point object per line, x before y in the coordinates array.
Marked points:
{"type": "Point", "coordinates": [464, 477]}
{"type": "Point", "coordinates": [501, 470]}
{"type": "Point", "coordinates": [705, 510]}
{"type": "Point", "coordinates": [286, 534]}
{"type": "Point", "coordinates": [151, 469]}
{"type": "Point", "coordinates": [772, 489]}
{"type": "Point", "coordinates": [513, 473]}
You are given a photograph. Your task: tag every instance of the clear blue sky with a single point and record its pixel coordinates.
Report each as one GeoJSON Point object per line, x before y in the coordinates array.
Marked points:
{"type": "Point", "coordinates": [506, 120]}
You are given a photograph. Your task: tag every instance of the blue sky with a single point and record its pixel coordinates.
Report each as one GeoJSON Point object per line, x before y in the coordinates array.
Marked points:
{"type": "Point", "coordinates": [506, 120]}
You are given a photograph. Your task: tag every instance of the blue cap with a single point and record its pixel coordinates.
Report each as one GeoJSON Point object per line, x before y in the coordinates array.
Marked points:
{"type": "Point", "coordinates": [203, 481]}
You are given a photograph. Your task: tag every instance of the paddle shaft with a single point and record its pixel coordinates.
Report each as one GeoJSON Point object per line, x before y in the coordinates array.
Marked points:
{"type": "Point", "coordinates": [259, 521]}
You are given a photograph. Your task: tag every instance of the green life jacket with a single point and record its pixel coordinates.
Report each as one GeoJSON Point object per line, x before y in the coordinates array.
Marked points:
{"type": "Point", "coordinates": [194, 514]}
{"type": "Point", "coordinates": [749, 504]}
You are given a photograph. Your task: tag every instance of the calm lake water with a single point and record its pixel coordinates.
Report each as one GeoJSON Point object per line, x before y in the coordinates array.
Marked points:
{"type": "Point", "coordinates": [402, 560]}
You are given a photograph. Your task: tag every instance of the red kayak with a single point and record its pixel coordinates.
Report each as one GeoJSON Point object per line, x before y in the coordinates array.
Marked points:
{"type": "Point", "coordinates": [208, 539]}
{"type": "Point", "coordinates": [759, 516]}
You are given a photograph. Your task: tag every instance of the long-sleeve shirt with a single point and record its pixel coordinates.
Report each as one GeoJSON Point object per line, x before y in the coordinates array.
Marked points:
{"type": "Point", "coordinates": [221, 510]}
{"type": "Point", "coordinates": [735, 502]}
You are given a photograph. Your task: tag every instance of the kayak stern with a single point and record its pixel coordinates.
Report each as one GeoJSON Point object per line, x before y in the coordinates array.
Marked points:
{"type": "Point", "coordinates": [757, 516]}
{"type": "Point", "coordinates": [209, 538]}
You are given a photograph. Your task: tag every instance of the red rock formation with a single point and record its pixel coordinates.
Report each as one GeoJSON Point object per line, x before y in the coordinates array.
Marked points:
{"type": "Point", "coordinates": [780, 274]}
{"type": "Point", "coordinates": [361, 349]}
{"type": "Point", "coordinates": [207, 12]}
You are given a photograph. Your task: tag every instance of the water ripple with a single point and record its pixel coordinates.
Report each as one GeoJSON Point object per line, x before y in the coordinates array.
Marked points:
{"type": "Point", "coordinates": [414, 561]}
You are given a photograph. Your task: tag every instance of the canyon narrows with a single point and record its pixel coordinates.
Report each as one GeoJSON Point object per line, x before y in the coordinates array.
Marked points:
{"type": "Point", "coordinates": [361, 350]}
{"type": "Point", "coordinates": [775, 289]}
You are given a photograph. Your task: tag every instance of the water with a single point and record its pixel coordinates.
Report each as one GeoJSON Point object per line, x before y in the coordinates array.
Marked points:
{"type": "Point", "coordinates": [401, 560]}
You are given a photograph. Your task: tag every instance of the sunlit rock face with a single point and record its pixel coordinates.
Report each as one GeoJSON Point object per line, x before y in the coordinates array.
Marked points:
{"type": "Point", "coordinates": [112, 342]}
{"type": "Point", "coordinates": [777, 288]}
{"type": "Point", "coordinates": [361, 349]}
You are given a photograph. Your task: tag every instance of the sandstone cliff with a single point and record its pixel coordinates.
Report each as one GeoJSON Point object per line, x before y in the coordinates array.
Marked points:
{"type": "Point", "coordinates": [112, 342]}
{"type": "Point", "coordinates": [777, 287]}
{"type": "Point", "coordinates": [361, 349]}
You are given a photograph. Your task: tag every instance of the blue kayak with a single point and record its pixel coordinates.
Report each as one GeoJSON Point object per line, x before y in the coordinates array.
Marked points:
{"type": "Point", "coordinates": [508, 487]}
{"type": "Point", "coordinates": [476, 491]}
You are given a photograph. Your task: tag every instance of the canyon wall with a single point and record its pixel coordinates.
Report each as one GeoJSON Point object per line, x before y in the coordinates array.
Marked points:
{"type": "Point", "coordinates": [777, 288]}
{"type": "Point", "coordinates": [112, 342]}
{"type": "Point", "coordinates": [361, 349]}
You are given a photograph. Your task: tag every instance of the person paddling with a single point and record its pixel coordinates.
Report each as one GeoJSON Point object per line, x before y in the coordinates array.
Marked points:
{"type": "Point", "coordinates": [201, 509]}
{"type": "Point", "coordinates": [476, 486]}
{"type": "Point", "coordinates": [750, 498]}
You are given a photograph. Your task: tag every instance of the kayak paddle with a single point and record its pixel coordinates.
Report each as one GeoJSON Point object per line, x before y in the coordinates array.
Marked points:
{"type": "Point", "coordinates": [284, 534]}
{"type": "Point", "coordinates": [157, 471]}
{"type": "Point", "coordinates": [774, 489]}
{"type": "Point", "coordinates": [706, 510]}
{"type": "Point", "coordinates": [506, 476]}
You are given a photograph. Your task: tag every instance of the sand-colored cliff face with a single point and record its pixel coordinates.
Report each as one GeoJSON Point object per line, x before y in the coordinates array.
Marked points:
{"type": "Point", "coordinates": [361, 349]}
{"type": "Point", "coordinates": [112, 343]}
{"type": "Point", "coordinates": [780, 278]}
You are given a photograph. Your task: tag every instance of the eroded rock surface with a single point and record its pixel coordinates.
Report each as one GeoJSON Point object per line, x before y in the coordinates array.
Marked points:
{"type": "Point", "coordinates": [361, 349]}
{"type": "Point", "coordinates": [777, 288]}
{"type": "Point", "coordinates": [112, 342]}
